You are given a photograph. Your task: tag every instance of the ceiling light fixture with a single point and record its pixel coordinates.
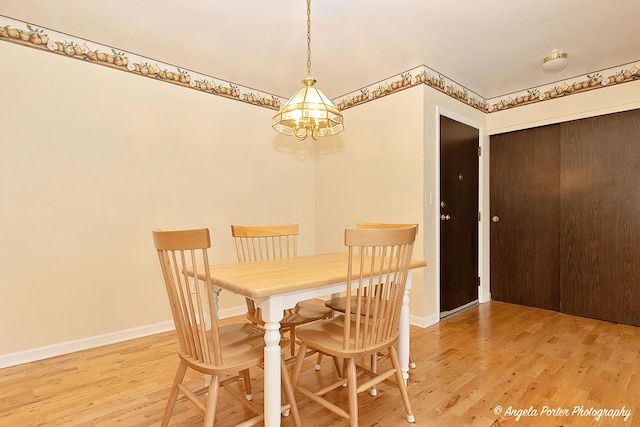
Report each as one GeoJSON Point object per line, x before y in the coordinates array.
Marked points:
{"type": "Point", "coordinates": [308, 112]}
{"type": "Point", "coordinates": [557, 60]}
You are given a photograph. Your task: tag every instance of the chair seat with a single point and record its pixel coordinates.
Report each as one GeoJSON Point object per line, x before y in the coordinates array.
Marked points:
{"type": "Point", "coordinates": [340, 304]}
{"type": "Point", "coordinates": [327, 336]}
{"type": "Point", "coordinates": [242, 347]}
{"type": "Point", "coordinates": [302, 313]}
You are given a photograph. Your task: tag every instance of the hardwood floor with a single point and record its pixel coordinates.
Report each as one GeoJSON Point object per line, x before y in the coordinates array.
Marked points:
{"type": "Point", "coordinates": [490, 356]}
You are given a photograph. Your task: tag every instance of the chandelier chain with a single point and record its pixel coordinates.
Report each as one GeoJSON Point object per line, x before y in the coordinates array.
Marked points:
{"type": "Point", "coordinates": [308, 112]}
{"type": "Point", "coordinates": [308, 37]}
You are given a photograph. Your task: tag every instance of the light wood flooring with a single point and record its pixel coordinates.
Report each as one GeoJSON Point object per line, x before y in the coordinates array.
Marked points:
{"type": "Point", "coordinates": [491, 356]}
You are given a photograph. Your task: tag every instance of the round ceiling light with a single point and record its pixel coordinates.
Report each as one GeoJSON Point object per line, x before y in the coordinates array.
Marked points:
{"type": "Point", "coordinates": [557, 60]}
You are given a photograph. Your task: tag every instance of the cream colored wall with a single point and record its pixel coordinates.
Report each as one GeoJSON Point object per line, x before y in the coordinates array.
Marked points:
{"type": "Point", "coordinates": [388, 152]}
{"type": "Point", "coordinates": [373, 172]}
{"type": "Point", "coordinates": [91, 159]}
{"type": "Point", "coordinates": [88, 154]}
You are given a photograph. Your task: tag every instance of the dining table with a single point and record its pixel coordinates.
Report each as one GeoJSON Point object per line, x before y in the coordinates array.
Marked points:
{"type": "Point", "coordinates": [279, 284]}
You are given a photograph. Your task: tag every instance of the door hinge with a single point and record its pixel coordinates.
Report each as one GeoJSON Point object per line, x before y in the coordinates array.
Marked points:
{"type": "Point", "coordinates": [478, 280]}
{"type": "Point", "coordinates": [479, 216]}
{"type": "Point", "coordinates": [479, 151]}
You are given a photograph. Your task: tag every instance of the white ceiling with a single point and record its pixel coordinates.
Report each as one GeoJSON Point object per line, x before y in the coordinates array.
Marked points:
{"type": "Point", "coordinates": [493, 47]}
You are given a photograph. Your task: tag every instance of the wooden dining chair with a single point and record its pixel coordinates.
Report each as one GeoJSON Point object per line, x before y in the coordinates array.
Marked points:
{"type": "Point", "coordinates": [377, 271]}
{"type": "Point", "coordinates": [223, 352]}
{"type": "Point", "coordinates": [339, 303]}
{"type": "Point", "coordinates": [257, 243]}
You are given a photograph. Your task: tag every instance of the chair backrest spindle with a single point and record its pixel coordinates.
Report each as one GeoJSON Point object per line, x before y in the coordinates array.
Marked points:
{"type": "Point", "coordinates": [262, 242]}
{"type": "Point", "coordinates": [191, 301]}
{"type": "Point", "coordinates": [258, 242]}
{"type": "Point", "coordinates": [379, 261]}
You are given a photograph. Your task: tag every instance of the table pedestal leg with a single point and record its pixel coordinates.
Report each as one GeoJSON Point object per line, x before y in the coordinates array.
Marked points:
{"type": "Point", "coordinates": [403, 342]}
{"type": "Point", "coordinates": [272, 313]}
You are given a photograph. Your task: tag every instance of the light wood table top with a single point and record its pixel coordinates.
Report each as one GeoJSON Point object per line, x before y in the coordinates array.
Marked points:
{"type": "Point", "coordinates": [261, 279]}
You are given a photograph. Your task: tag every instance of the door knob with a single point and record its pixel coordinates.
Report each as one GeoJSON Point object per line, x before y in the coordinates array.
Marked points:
{"type": "Point", "coordinates": [444, 217]}
{"type": "Point", "coordinates": [495, 218]}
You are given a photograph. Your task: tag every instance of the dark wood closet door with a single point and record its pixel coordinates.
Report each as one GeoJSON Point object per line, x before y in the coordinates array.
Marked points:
{"type": "Point", "coordinates": [601, 217]}
{"type": "Point", "coordinates": [525, 217]}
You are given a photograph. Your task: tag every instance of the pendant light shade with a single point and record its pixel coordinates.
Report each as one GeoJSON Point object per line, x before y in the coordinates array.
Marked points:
{"type": "Point", "coordinates": [308, 112]}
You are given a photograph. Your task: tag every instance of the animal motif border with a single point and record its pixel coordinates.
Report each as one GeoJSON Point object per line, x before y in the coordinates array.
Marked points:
{"type": "Point", "coordinates": [48, 40]}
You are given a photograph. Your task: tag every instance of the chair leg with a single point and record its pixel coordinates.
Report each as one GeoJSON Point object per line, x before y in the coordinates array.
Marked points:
{"type": "Point", "coordinates": [298, 366]}
{"type": "Point", "coordinates": [288, 391]}
{"type": "Point", "coordinates": [212, 401]}
{"type": "Point", "coordinates": [317, 367]}
{"type": "Point", "coordinates": [412, 363]}
{"type": "Point", "coordinates": [173, 395]}
{"type": "Point", "coordinates": [393, 354]}
{"type": "Point", "coordinates": [339, 363]}
{"type": "Point", "coordinates": [374, 368]}
{"type": "Point", "coordinates": [292, 337]}
{"type": "Point", "coordinates": [246, 379]}
{"type": "Point", "coordinates": [350, 366]}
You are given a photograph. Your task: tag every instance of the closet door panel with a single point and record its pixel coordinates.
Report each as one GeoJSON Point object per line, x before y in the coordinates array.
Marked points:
{"type": "Point", "coordinates": [525, 215]}
{"type": "Point", "coordinates": [600, 225]}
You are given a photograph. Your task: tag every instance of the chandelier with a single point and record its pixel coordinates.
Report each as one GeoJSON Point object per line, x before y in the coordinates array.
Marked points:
{"type": "Point", "coordinates": [308, 112]}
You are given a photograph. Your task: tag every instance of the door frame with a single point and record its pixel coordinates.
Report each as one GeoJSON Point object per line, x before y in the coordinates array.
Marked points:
{"type": "Point", "coordinates": [483, 273]}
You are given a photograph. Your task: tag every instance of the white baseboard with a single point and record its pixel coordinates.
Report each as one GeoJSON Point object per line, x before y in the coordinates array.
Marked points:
{"type": "Point", "coordinates": [232, 311]}
{"type": "Point", "coordinates": [486, 297]}
{"type": "Point", "coordinates": [31, 355]}
{"type": "Point", "coordinates": [424, 322]}
{"type": "Point", "coordinates": [59, 349]}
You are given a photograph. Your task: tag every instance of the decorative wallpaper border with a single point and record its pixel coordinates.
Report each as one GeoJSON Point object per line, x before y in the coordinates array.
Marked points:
{"type": "Point", "coordinates": [413, 77]}
{"type": "Point", "coordinates": [44, 39]}
{"type": "Point", "coordinates": [425, 75]}
{"type": "Point", "coordinates": [579, 84]}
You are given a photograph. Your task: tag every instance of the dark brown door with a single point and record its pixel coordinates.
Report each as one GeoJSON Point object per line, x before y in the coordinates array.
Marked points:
{"type": "Point", "coordinates": [525, 217]}
{"type": "Point", "coordinates": [459, 214]}
{"type": "Point", "coordinates": [601, 217]}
